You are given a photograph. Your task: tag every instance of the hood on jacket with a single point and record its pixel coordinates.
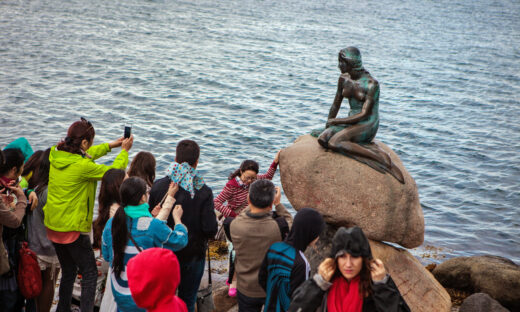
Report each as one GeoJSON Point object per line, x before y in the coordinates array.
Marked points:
{"type": "Point", "coordinates": [23, 145]}
{"type": "Point", "coordinates": [307, 225]}
{"type": "Point", "coordinates": [153, 277]}
{"type": "Point", "coordinates": [61, 159]}
{"type": "Point", "coordinates": [352, 241]}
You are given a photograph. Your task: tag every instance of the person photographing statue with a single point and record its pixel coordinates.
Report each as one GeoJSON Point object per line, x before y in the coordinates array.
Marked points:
{"type": "Point", "coordinates": [353, 136]}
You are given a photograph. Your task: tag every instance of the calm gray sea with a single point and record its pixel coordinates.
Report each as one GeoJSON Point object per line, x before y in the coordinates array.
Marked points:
{"type": "Point", "coordinates": [245, 78]}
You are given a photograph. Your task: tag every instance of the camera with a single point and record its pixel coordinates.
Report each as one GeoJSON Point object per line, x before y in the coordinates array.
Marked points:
{"type": "Point", "coordinates": [128, 132]}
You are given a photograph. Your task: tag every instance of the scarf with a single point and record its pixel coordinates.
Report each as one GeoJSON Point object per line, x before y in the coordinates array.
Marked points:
{"type": "Point", "coordinates": [344, 296]}
{"type": "Point", "coordinates": [138, 211]}
{"type": "Point", "coordinates": [186, 177]}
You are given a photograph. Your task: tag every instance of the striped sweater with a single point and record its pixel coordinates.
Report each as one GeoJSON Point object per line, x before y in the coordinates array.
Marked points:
{"type": "Point", "coordinates": [235, 195]}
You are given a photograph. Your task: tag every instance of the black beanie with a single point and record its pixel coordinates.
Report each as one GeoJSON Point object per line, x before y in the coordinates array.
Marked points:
{"type": "Point", "coordinates": [351, 240]}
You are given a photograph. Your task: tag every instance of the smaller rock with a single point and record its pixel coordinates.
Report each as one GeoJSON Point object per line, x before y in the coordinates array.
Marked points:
{"type": "Point", "coordinates": [497, 276]}
{"type": "Point", "coordinates": [222, 301]}
{"type": "Point", "coordinates": [481, 302]}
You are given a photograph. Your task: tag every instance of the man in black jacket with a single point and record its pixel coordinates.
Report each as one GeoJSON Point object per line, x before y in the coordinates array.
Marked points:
{"type": "Point", "coordinates": [196, 199]}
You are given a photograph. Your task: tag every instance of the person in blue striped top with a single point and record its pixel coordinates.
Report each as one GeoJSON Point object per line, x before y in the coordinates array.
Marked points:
{"type": "Point", "coordinates": [133, 229]}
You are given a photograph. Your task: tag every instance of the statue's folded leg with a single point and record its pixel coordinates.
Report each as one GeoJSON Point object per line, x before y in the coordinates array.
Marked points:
{"type": "Point", "coordinates": [369, 154]}
{"type": "Point", "coordinates": [391, 168]}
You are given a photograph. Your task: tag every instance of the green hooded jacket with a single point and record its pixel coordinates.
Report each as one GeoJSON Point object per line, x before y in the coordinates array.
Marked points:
{"type": "Point", "coordinates": [72, 187]}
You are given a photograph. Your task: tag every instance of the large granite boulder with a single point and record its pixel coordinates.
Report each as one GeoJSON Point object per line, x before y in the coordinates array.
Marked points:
{"type": "Point", "coordinates": [350, 193]}
{"type": "Point", "coordinates": [418, 287]}
{"type": "Point", "coordinates": [496, 276]}
{"type": "Point", "coordinates": [481, 302]}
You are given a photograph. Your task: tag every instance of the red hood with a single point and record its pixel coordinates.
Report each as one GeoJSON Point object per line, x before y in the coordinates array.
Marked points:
{"type": "Point", "coordinates": [153, 277]}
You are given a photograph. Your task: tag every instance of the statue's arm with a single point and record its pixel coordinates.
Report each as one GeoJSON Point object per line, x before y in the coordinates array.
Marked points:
{"type": "Point", "coordinates": [365, 111]}
{"type": "Point", "coordinates": [336, 105]}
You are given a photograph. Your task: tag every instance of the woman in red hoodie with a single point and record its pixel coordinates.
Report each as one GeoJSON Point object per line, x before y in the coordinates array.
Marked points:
{"type": "Point", "coordinates": [153, 277]}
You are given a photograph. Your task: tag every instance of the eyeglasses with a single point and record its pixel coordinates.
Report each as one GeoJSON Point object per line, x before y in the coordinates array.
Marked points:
{"type": "Point", "coordinates": [251, 178]}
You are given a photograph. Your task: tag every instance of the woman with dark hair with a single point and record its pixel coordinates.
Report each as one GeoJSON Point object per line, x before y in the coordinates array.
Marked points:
{"type": "Point", "coordinates": [285, 266]}
{"type": "Point", "coordinates": [133, 229]}
{"type": "Point", "coordinates": [143, 166]}
{"type": "Point", "coordinates": [38, 241]}
{"type": "Point", "coordinates": [73, 177]}
{"type": "Point", "coordinates": [235, 195]}
{"type": "Point", "coordinates": [236, 189]}
{"type": "Point", "coordinates": [109, 200]}
{"type": "Point", "coordinates": [350, 280]}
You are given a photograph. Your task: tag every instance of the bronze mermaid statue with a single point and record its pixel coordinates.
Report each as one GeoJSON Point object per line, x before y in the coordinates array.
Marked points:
{"type": "Point", "coordinates": [353, 136]}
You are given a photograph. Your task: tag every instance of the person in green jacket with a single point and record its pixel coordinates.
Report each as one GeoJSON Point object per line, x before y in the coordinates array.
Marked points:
{"type": "Point", "coordinates": [73, 177]}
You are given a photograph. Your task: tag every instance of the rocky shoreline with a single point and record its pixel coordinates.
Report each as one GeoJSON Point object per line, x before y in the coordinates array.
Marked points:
{"type": "Point", "coordinates": [348, 192]}
{"type": "Point", "coordinates": [471, 283]}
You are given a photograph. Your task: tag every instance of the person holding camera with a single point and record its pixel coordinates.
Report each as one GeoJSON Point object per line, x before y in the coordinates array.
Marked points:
{"type": "Point", "coordinates": [71, 192]}
{"type": "Point", "coordinates": [252, 233]}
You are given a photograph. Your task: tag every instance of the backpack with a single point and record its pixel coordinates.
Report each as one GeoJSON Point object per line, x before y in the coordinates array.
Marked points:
{"type": "Point", "coordinates": [29, 275]}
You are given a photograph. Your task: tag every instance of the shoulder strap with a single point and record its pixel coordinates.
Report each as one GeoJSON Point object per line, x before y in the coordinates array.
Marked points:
{"type": "Point", "coordinates": [132, 239]}
{"type": "Point", "coordinates": [282, 225]}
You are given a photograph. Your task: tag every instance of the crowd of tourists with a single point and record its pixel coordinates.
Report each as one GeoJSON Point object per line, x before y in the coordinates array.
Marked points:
{"type": "Point", "coordinates": [154, 233]}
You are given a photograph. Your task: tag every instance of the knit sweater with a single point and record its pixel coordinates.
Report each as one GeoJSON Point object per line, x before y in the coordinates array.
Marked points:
{"type": "Point", "coordinates": [236, 195]}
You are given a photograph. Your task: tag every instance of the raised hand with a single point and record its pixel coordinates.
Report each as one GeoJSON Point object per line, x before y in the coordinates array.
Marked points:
{"type": "Point", "coordinates": [172, 189]}
{"type": "Point", "coordinates": [127, 143]}
{"type": "Point", "coordinates": [327, 268]}
{"type": "Point", "coordinates": [277, 196]}
{"type": "Point", "coordinates": [377, 270]}
{"type": "Point", "coordinates": [177, 214]}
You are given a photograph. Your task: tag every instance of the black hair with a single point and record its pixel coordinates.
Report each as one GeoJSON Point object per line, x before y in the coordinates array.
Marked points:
{"type": "Point", "coordinates": [261, 193]}
{"type": "Point", "coordinates": [244, 166]}
{"type": "Point", "coordinates": [143, 165]}
{"type": "Point", "coordinates": [187, 151]}
{"type": "Point", "coordinates": [1, 159]}
{"type": "Point", "coordinates": [131, 192]}
{"type": "Point", "coordinates": [108, 195]}
{"type": "Point", "coordinates": [40, 177]}
{"type": "Point", "coordinates": [13, 158]}
{"type": "Point", "coordinates": [32, 164]}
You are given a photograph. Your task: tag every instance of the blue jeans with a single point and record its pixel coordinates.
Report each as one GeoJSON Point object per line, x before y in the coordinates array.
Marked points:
{"type": "Point", "coordinates": [191, 274]}
{"type": "Point", "coordinates": [74, 256]}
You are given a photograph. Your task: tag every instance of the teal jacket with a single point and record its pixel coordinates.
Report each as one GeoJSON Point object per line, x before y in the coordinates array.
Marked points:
{"type": "Point", "coordinates": [72, 187]}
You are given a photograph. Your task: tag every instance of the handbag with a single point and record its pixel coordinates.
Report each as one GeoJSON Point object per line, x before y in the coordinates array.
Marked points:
{"type": "Point", "coordinates": [29, 275]}
{"type": "Point", "coordinates": [205, 295]}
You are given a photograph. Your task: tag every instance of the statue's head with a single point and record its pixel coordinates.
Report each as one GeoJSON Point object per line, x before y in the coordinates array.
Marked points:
{"type": "Point", "coordinates": [350, 60]}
